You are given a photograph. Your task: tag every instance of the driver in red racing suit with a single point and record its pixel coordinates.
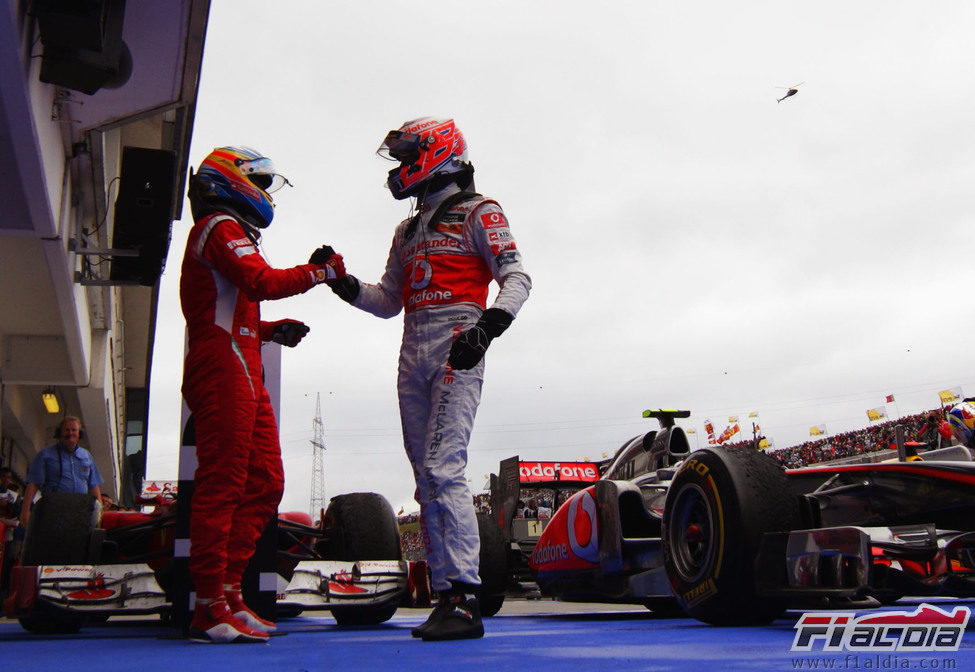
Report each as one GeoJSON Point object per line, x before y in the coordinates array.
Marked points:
{"type": "Point", "coordinates": [440, 265]}
{"type": "Point", "coordinates": [239, 479]}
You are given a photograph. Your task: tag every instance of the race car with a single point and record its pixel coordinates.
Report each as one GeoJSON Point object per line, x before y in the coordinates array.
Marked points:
{"type": "Point", "coordinates": [729, 537]}
{"type": "Point", "coordinates": [79, 563]}
{"type": "Point", "coordinates": [525, 494]}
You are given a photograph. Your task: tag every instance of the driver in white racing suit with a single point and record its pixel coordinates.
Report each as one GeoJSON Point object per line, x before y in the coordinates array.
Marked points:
{"type": "Point", "coordinates": [441, 263]}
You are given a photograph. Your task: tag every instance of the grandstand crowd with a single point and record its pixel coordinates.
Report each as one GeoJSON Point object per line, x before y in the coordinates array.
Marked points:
{"type": "Point", "coordinates": [920, 428]}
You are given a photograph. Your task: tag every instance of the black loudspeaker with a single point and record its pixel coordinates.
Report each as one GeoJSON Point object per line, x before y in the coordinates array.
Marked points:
{"type": "Point", "coordinates": [83, 47]}
{"type": "Point", "coordinates": [72, 24]}
{"type": "Point", "coordinates": [144, 214]}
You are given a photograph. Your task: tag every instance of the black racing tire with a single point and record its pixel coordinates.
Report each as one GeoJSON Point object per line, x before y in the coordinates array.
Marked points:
{"type": "Point", "coordinates": [493, 567]}
{"type": "Point", "coordinates": [51, 624]}
{"type": "Point", "coordinates": [362, 526]}
{"type": "Point", "coordinates": [718, 506]}
{"type": "Point", "coordinates": [366, 615]}
{"type": "Point", "coordinates": [664, 607]}
{"type": "Point", "coordinates": [59, 530]}
{"type": "Point", "coordinates": [290, 611]}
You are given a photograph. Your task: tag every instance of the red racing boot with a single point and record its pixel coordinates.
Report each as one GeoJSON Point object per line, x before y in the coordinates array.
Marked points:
{"type": "Point", "coordinates": [213, 622]}
{"type": "Point", "coordinates": [243, 613]}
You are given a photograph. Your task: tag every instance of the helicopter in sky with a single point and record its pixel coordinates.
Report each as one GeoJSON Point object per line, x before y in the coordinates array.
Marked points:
{"type": "Point", "coordinates": [792, 90]}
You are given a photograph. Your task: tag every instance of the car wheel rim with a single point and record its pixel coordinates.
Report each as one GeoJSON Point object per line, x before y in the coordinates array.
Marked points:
{"type": "Point", "coordinates": [692, 533]}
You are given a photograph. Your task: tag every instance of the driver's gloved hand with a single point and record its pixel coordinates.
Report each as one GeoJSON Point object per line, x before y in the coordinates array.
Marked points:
{"type": "Point", "coordinates": [289, 332]}
{"type": "Point", "coordinates": [468, 349]}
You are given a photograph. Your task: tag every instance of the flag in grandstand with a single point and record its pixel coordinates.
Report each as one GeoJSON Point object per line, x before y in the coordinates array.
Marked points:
{"type": "Point", "coordinates": [753, 414]}
{"type": "Point", "coordinates": [709, 428]}
{"type": "Point", "coordinates": [732, 419]}
{"type": "Point", "coordinates": [950, 396]}
{"type": "Point", "coordinates": [764, 444]}
{"type": "Point", "coordinates": [876, 414]}
{"type": "Point", "coordinates": [817, 430]}
{"type": "Point", "coordinates": [890, 398]}
{"type": "Point", "coordinates": [729, 432]}
{"type": "Point", "coordinates": [690, 431]}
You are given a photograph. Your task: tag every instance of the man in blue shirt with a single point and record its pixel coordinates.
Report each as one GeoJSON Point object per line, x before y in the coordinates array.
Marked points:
{"type": "Point", "coordinates": [63, 467]}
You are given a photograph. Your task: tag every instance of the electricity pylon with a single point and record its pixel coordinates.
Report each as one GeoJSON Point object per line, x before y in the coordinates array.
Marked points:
{"type": "Point", "coordinates": [318, 460]}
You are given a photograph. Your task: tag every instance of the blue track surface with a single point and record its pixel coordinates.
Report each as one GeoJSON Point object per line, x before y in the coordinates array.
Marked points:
{"type": "Point", "coordinates": [547, 640]}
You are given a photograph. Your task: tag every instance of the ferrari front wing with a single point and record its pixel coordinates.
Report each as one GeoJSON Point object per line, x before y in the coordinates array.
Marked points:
{"type": "Point", "coordinates": [324, 584]}
{"type": "Point", "coordinates": [86, 589]}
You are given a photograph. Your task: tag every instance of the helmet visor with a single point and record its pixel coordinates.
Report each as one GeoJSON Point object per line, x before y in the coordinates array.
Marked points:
{"type": "Point", "coordinates": [261, 172]}
{"type": "Point", "coordinates": [401, 147]}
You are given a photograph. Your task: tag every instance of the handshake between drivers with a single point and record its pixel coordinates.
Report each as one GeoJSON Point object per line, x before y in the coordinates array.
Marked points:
{"type": "Point", "coordinates": [345, 286]}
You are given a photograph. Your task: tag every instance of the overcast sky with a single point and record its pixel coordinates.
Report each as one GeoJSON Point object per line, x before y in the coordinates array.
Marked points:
{"type": "Point", "coordinates": [692, 242]}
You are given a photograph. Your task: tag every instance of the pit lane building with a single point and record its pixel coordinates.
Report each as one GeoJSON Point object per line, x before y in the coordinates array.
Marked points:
{"type": "Point", "coordinates": [97, 99]}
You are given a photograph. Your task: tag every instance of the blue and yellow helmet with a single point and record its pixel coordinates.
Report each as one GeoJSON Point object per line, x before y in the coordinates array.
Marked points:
{"type": "Point", "coordinates": [239, 178]}
{"type": "Point", "coordinates": [962, 420]}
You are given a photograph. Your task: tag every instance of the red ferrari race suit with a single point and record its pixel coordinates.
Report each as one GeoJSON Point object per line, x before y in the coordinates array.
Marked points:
{"type": "Point", "coordinates": [439, 273]}
{"type": "Point", "coordinates": [239, 478]}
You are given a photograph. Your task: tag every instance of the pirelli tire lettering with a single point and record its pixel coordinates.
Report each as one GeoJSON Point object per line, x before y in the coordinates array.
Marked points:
{"type": "Point", "coordinates": [696, 465]}
{"type": "Point", "coordinates": [719, 505]}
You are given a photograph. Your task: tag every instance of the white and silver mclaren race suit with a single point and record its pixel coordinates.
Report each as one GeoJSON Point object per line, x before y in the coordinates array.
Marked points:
{"type": "Point", "coordinates": [439, 272]}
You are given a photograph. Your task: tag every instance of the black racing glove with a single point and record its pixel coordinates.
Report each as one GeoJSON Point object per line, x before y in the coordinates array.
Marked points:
{"type": "Point", "coordinates": [346, 288]}
{"type": "Point", "coordinates": [331, 263]}
{"type": "Point", "coordinates": [321, 256]}
{"type": "Point", "coordinates": [289, 332]}
{"type": "Point", "coordinates": [469, 348]}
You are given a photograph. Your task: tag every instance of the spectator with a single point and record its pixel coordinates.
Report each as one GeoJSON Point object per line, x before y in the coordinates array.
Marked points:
{"type": "Point", "coordinates": [412, 544]}
{"type": "Point", "coordinates": [544, 509]}
{"type": "Point", "coordinates": [62, 467]}
{"type": "Point", "coordinates": [9, 500]}
{"type": "Point", "coordinates": [928, 431]}
{"type": "Point", "coordinates": [109, 504]}
{"type": "Point", "coordinates": [9, 495]}
{"type": "Point", "coordinates": [482, 503]}
{"type": "Point", "coordinates": [944, 429]}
